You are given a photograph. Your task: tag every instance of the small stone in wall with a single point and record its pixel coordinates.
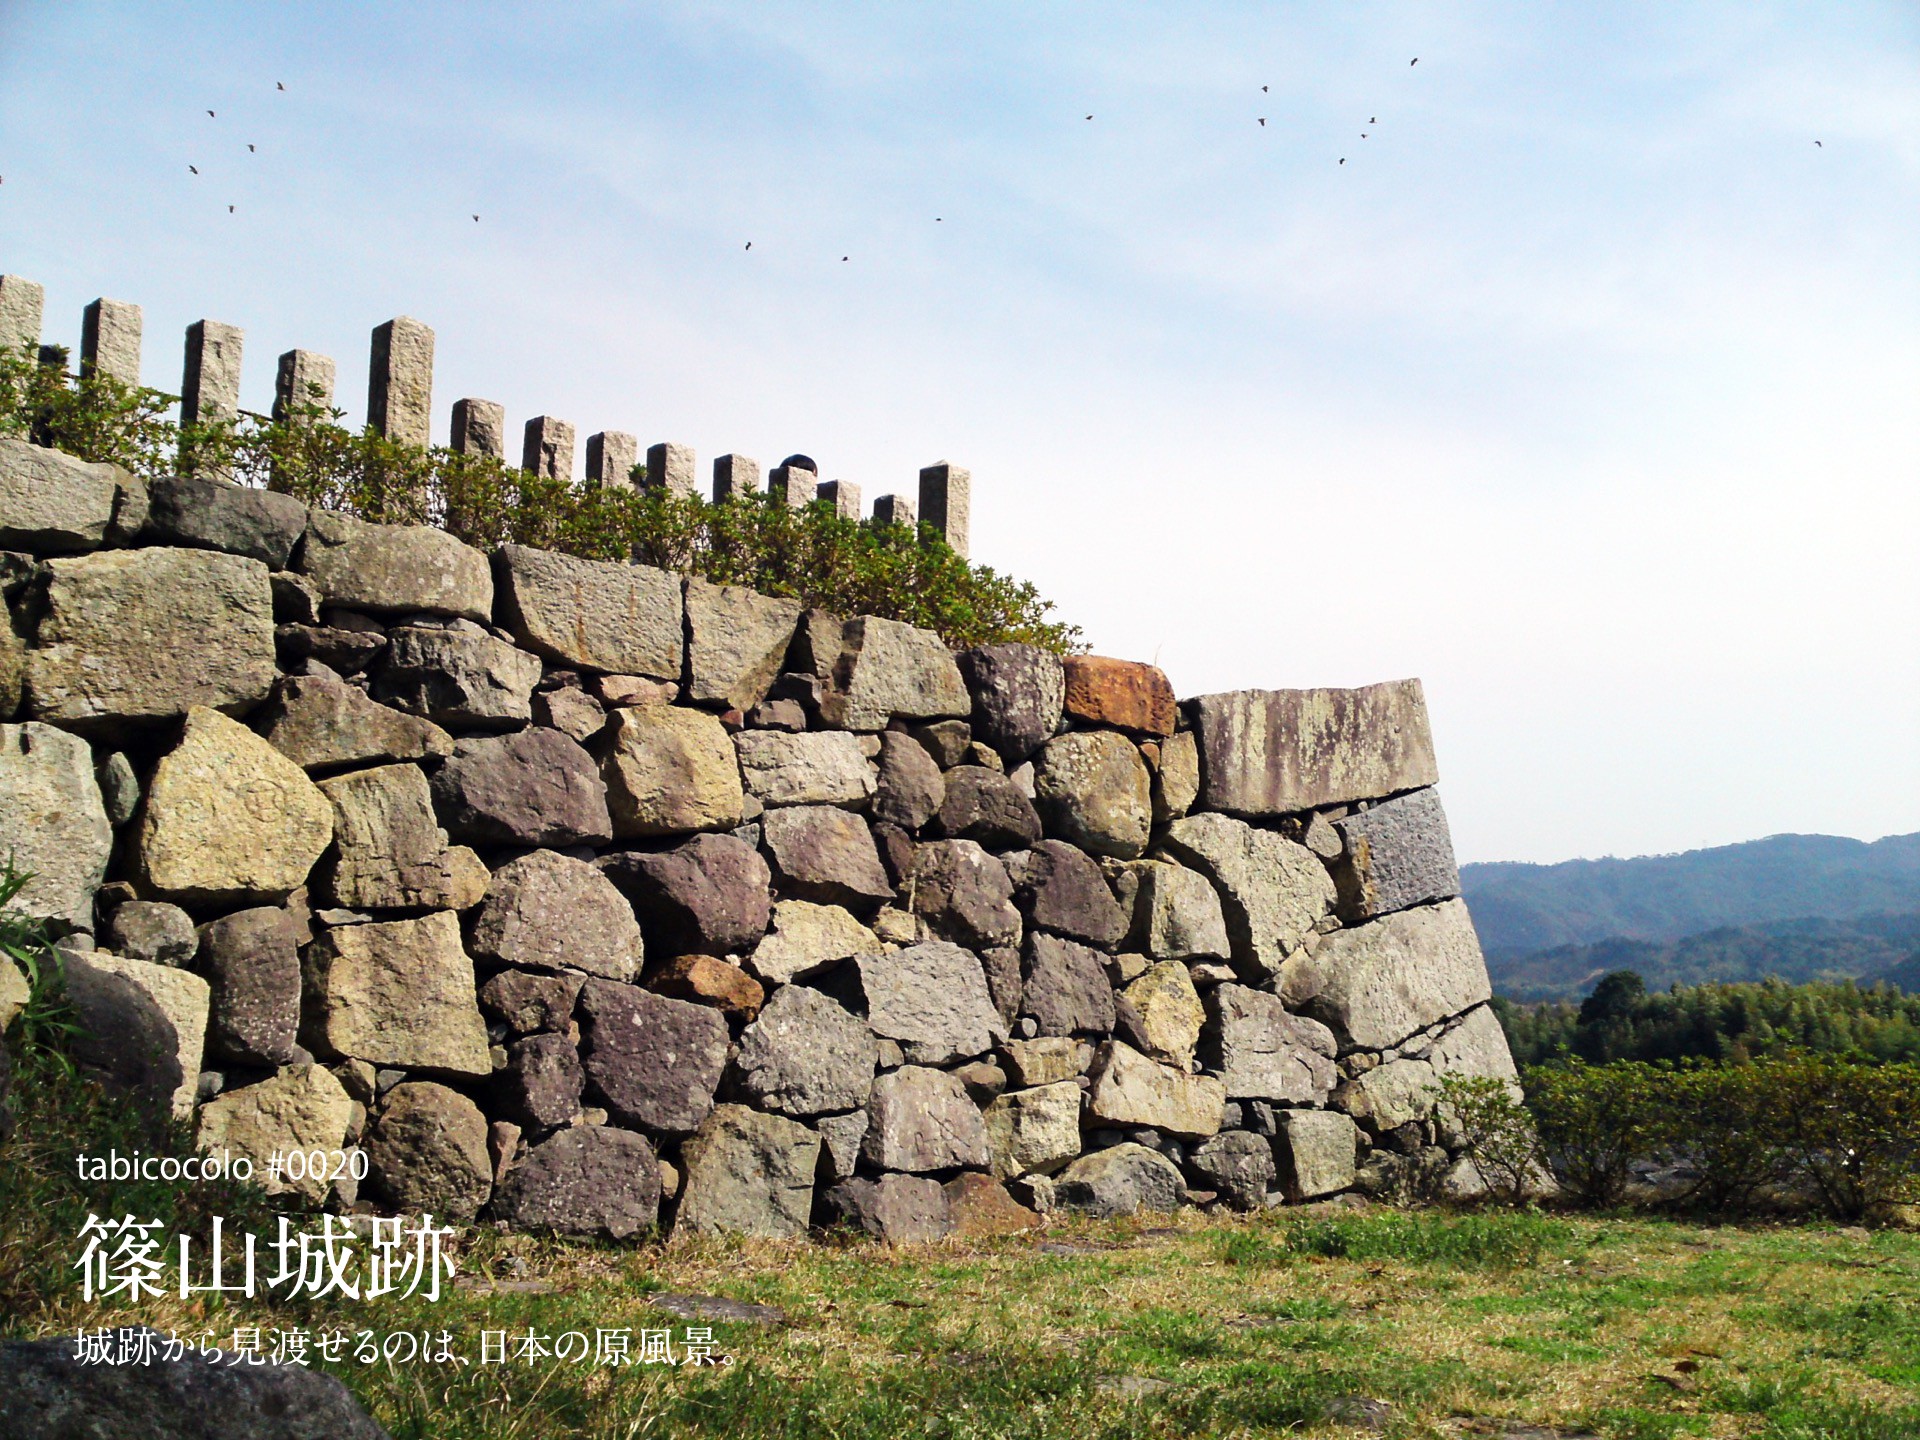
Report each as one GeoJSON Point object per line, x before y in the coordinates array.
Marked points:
{"type": "Point", "coordinates": [840, 1137]}
{"type": "Point", "coordinates": [945, 741]}
{"type": "Point", "coordinates": [1162, 1011]}
{"type": "Point", "coordinates": [571, 711]}
{"type": "Point", "coordinates": [1066, 989]}
{"type": "Point", "coordinates": [526, 1002]}
{"type": "Point", "coordinates": [707, 981]}
{"type": "Point", "coordinates": [708, 896]}
{"type": "Point", "coordinates": [1118, 1181]}
{"type": "Point", "coordinates": [251, 960]}
{"type": "Point", "coordinates": [963, 894]}
{"type": "Point", "coordinates": [427, 1151]}
{"type": "Point", "coordinates": [541, 1085]}
{"type": "Point", "coordinates": [933, 1000]}
{"type": "Point", "coordinates": [656, 1061]}
{"type": "Point", "coordinates": [1034, 1130]}
{"type": "Point", "coordinates": [588, 1180]}
{"type": "Point", "coordinates": [143, 1026]}
{"type": "Point", "coordinates": [887, 669]}
{"type": "Point", "coordinates": [1237, 1165]}
{"type": "Point", "coordinates": [389, 851]}
{"type": "Point", "coordinates": [1316, 1150]}
{"type": "Point", "coordinates": [594, 614]}
{"type": "Point", "coordinates": [1061, 889]}
{"type": "Point", "coordinates": [808, 938]}
{"type": "Point", "coordinates": [669, 770]}
{"type": "Point", "coordinates": [464, 679]}
{"type": "Point", "coordinates": [1261, 1051]}
{"type": "Point", "coordinates": [922, 1120]}
{"type": "Point", "coordinates": [1017, 693]}
{"type": "Point", "coordinates": [894, 1209]}
{"type": "Point", "coordinates": [986, 807]}
{"type": "Point", "coordinates": [1176, 781]}
{"type": "Point", "coordinates": [823, 767]}
{"type": "Point", "coordinates": [395, 569]}
{"type": "Point", "coordinates": [321, 723]}
{"type": "Point", "coordinates": [825, 855]}
{"type": "Point", "coordinates": [982, 1208]}
{"type": "Point", "coordinates": [1130, 1090]}
{"type": "Point", "coordinates": [301, 1107]}
{"type": "Point", "coordinates": [1272, 891]}
{"type": "Point", "coordinates": [149, 930]}
{"type": "Point", "coordinates": [738, 640]}
{"type": "Point", "coordinates": [1046, 1059]}
{"type": "Point", "coordinates": [551, 911]}
{"type": "Point", "coordinates": [1093, 789]}
{"type": "Point", "coordinates": [398, 994]}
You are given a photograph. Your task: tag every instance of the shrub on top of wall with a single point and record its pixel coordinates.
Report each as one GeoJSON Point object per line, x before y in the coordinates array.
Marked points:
{"type": "Point", "coordinates": [851, 567]}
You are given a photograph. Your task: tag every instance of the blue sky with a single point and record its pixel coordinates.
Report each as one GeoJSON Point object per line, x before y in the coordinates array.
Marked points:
{"type": "Point", "coordinates": [1588, 389]}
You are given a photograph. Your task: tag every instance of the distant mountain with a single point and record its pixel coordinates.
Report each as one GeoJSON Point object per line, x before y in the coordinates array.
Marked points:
{"type": "Point", "coordinates": [1870, 949]}
{"type": "Point", "coordinates": [1524, 909]}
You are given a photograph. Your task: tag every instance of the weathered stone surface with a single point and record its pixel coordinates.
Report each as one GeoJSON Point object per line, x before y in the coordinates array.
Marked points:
{"type": "Point", "coordinates": [1274, 752]}
{"type": "Point", "coordinates": [457, 678]}
{"type": "Point", "coordinates": [981, 1208]}
{"type": "Point", "coordinates": [573, 712]}
{"type": "Point", "coordinates": [228, 818]}
{"type": "Point", "coordinates": [251, 959]}
{"type": "Point", "coordinates": [933, 1000]}
{"type": "Point", "coordinates": [840, 1137]}
{"type": "Point", "coordinates": [1236, 1164]}
{"type": "Point", "coordinates": [921, 1120]}
{"type": "Point", "coordinates": [708, 896]}
{"type": "Point", "coordinates": [1176, 781]}
{"type": "Point", "coordinates": [1389, 1096]}
{"type": "Point", "coordinates": [1262, 1052]}
{"type": "Point", "coordinates": [389, 853]}
{"type": "Point", "coordinates": [1162, 1012]}
{"type": "Point", "coordinates": [896, 1209]}
{"type": "Point", "coordinates": [589, 1180]}
{"type": "Point", "coordinates": [1177, 915]}
{"type": "Point", "coordinates": [1066, 990]}
{"type": "Point", "coordinates": [1093, 789]}
{"type": "Point", "coordinates": [526, 1002]}
{"type": "Point", "coordinates": [120, 788]}
{"type": "Point", "coordinates": [808, 938]}
{"type": "Point", "coordinates": [535, 787]}
{"type": "Point", "coordinates": [1062, 890]}
{"type": "Point", "coordinates": [1122, 693]}
{"type": "Point", "coordinates": [53, 503]}
{"type": "Point", "coordinates": [824, 767]}
{"type": "Point", "coordinates": [886, 668]}
{"type": "Point", "coordinates": [987, 808]}
{"type": "Point", "coordinates": [1046, 1059]}
{"type": "Point", "coordinates": [825, 855]}
{"type": "Point", "coordinates": [301, 1107]}
{"type": "Point", "coordinates": [738, 642]}
{"type": "Point", "coordinates": [13, 666]}
{"type": "Point", "coordinates": [804, 1056]}
{"type": "Point", "coordinates": [1130, 1090]}
{"type": "Point", "coordinates": [1477, 1046]}
{"type": "Point", "coordinates": [748, 1174]}
{"type": "Point", "coordinates": [1272, 891]}
{"type": "Point", "coordinates": [540, 1088]}
{"type": "Point", "coordinates": [1397, 854]}
{"type": "Point", "coordinates": [1316, 1151]}
{"type": "Point", "coordinates": [321, 723]}
{"type": "Point", "coordinates": [398, 994]}
{"type": "Point", "coordinates": [427, 1152]}
{"type": "Point", "coordinates": [345, 651]}
{"type": "Point", "coordinates": [395, 569]}
{"type": "Point", "coordinates": [1004, 981]}
{"type": "Point", "coordinates": [144, 635]}
{"type": "Point", "coordinates": [554, 912]}
{"type": "Point", "coordinates": [209, 514]}
{"type": "Point", "coordinates": [14, 994]}
{"type": "Point", "coordinates": [144, 1025]}
{"type": "Point", "coordinates": [1120, 1180]}
{"type": "Point", "coordinates": [948, 742]}
{"type": "Point", "coordinates": [669, 770]}
{"type": "Point", "coordinates": [1017, 692]}
{"type": "Point", "coordinates": [1377, 983]}
{"type": "Point", "coordinates": [210, 1396]}
{"type": "Point", "coordinates": [153, 931]}
{"type": "Point", "coordinates": [656, 1061]}
{"type": "Point", "coordinates": [591, 614]}
{"type": "Point", "coordinates": [707, 981]}
{"type": "Point", "coordinates": [963, 894]}
{"type": "Point", "coordinates": [1033, 1130]}
{"type": "Point", "coordinates": [910, 787]}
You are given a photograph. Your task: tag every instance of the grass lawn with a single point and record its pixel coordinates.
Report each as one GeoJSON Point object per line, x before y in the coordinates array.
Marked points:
{"type": "Point", "coordinates": [1457, 1324]}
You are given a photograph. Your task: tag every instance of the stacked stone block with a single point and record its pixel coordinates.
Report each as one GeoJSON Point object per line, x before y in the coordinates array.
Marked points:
{"type": "Point", "coordinates": [595, 898]}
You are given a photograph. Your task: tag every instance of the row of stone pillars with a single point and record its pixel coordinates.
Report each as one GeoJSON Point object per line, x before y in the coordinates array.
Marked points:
{"type": "Point", "coordinates": [400, 403]}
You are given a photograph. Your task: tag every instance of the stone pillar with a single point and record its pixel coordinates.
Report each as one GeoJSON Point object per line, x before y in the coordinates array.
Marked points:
{"type": "Point", "coordinates": [672, 466]}
{"type": "Point", "coordinates": [210, 380]}
{"type": "Point", "coordinates": [734, 475]}
{"type": "Point", "coordinates": [611, 456]}
{"type": "Point", "coordinates": [303, 379]}
{"type": "Point", "coordinates": [945, 496]}
{"type": "Point", "coordinates": [548, 449]}
{"type": "Point", "coordinates": [110, 341]}
{"type": "Point", "coordinates": [400, 382]}
{"type": "Point", "coordinates": [479, 428]}
{"type": "Point", "coordinates": [894, 510]}
{"type": "Point", "coordinates": [791, 486]}
{"type": "Point", "coordinates": [22, 304]}
{"type": "Point", "coordinates": [843, 495]}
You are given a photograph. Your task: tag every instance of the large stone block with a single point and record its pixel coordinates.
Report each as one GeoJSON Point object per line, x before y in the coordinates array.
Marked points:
{"type": "Point", "coordinates": [894, 1209]}
{"type": "Point", "coordinates": [921, 1120]}
{"type": "Point", "coordinates": [1129, 1090]}
{"type": "Point", "coordinates": [54, 822]}
{"type": "Point", "coordinates": [1093, 788]}
{"type": "Point", "coordinates": [527, 1002]}
{"type": "Point", "coordinates": [825, 855]}
{"type": "Point", "coordinates": [395, 569]}
{"type": "Point", "coordinates": [251, 959]}
{"type": "Point", "coordinates": [591, 614]}
{"type": "Point", "coordinates": [748, 1174]}
{"type": "Point", "coordinates": [933, 1000]}
{"type": "Point", "coordinates": [1036, 1130]}
{"type": "Point", "coordinates": [823, 767]}
{"type": "Point", "coordinates": [301, 1107]}
{"type": "Point", "coordinates": [553, 912]}
{"type": "Point", "coordinates": [1160, 1013]}
{"type": "Point", "coordinates": [229, 819]}
{"type": "Point", "coordinates": [1389, 1096]}
{"type": "Point", "coordinates": [808, 938]}
{"type": "Point", "coordinates": [963, 894]}
{"type": "Point", "coordinates": [737, 642]}
{"type": "Point", "coordinates": [1262, 1052]}
{"type": "Point", "coordinates": [145, 635]}
{"type": "Point", "coordinates": [590, 1180]}
{"type": "Point", "coordinates": [427, 1152]}
{"type": "Point", "coordinates": [322, 723]}
{"type": "Point", "coordinates": [655, 1061]}
{"type": "Point", "coordinates": [1378, 983]}
{"type": "Point", "coordinates": [1176, 780]}
{"type": "Point", "coordinates": [1236, 1164]}
{"type": "Point", "coordinates": [389, 851]}
{"type": "Point", "coordinates": [1273, 752]}
{"type": "Point", "coordinates": [52, 503]}
{"type": "Point", "coordinates": [1272, 891]}
{"type": "Point", "coordinates": [209, 514]}
{"type": "Point", "coordinates": [885, 669]}
{"type": "Point", "coordinates": [1177, 915]}
{"type": "Point", "coordinates": [540, 1087]}
{"type": "Point", "coordinates": [1122, 693]}
{"type": "Point", "coordinates": [1398, 854]}
{"type": "Point", "coordinates": [709, 896]}
{"type": "Point", "coordinates": [804, 1055]}
{"type": "Point", "coordinates": [1017, 693]}
{"type": "Point", "coordinates": [1062, 890]}
{"type": "Point", "coordinates": [984, 806]}
{"type": "Point", "coordinates": [910, 787]}
{"type": "Point", "coordinates": [144, 1025]}
{"type": "Point", "coordinates": [1065, 988]}
{"type": "Point", "coordinates": [535, 787]}
{"type": "Point", "coordinates": [1317, 1151]}
{"type": "Point", "coordinates": [669, 770]}
{"type": "Point", "coordinates": [1120, 1180]}
{"type": "Point", "coordinates": [397, 994]}
{"type": "Point", "coordinates": [464, 679]}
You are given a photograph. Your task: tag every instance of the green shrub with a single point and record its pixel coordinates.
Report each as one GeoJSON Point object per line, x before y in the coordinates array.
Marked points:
{"type": "Point", "coordinates": [1495, 1131]}
{"type": "Point", "coordinates": [1850, 1131]}
{"type": "Point", "coordinates": [1595, 1121]}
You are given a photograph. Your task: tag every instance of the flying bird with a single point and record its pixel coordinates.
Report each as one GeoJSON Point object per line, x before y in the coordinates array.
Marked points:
{"type": "Point", "coordinates": [1373, 120]}
{"type": "Point", "coordinates": [229, 209]}
{"type": "Point", "coordinates": [209, 114]}
{"type": "Point", "coordinates": [1818, 143]}
{"type": "Point", "coordinates": [250, 149]}
{"type": "Point", "coordinates": [1263, 122]}
{"type": "Point", "coordinates": [1263, 89]}
{"type": "Point", "coordinates": [1343, 159]}
{"type": "Point", "coordinates": [1414, 61]}
{"type": "Point", "coordinates": [1089, 117]}
{"type": "Point", "coordinates": [194, 168]}
{"type": "Point", "coordinates": [936, 219]}
{"type": "Point", "coordinates": [476, 219]}
{"type": "Point", "coordinates": [279, 84]}
{"type": "Point", "coordinates": [749, 244]}
{"type": "Point", "coordinates": [843, 258]}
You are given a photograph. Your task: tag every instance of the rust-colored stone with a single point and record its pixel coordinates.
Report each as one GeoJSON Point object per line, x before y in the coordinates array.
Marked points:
{"type": "Point", "coordinates": [1122, 693]}
{"type": "Point", "coordinates": [981, 1206]}
{"type": "Point", "coordinates": [707, 981]}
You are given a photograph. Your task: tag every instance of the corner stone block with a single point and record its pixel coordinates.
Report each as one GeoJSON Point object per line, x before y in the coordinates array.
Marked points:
{"type": "Point", "coordinates": [395, 569]}
{"type": "Point", "coordinates": [1276, 752]}
{"type": "Point", "coordinates": [1376, 984]}
{"type": "Point", "coordinates": [303, 379]}
{"type": "Point", "coordinates": [22, 305]}
{"type": "Point", "coordinates": [734, 476]}
{"type": "Point", "coordinates": [946, 503]}
{"type": "Point", "coordinates": [54, 822]}
{"type": "Point", "coordinates": [479, 428]}
{"type": "Point", "coordinates": [52, 503]}
{"type": "Point", "coordinates": [611, 456]}
{"type": "Point", "coordinates": [110, 341]}
{"type": "Point", "coordinates": [672, 466]}
{"type": "Point", "coordinates": [843, 496]}
{"type": "Point", "coordinates": [400, 382]}
{"type": "Point", "coordinates": [547, 448]}
{"type": "Point", "coordinates": [210, 381]}
{"type": "Point", "coordinates": [1398, 854]}
{"type": "Point", "coordinates": [397, 994]}
{"type": "Point", "coordinates": [1122, 693]}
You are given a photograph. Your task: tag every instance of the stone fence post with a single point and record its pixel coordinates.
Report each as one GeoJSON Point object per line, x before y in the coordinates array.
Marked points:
{"type": "Point", "coordinates": [672, 466]}
{"type": "Point", "coordinates": [479, 428]}
{"type": "Point", "coordinates": [303, 379]}
{"type": "Point", "coordinates": [22, 305]}
{"type": "Point", "coordinates": [611, 456]}
{"type": "Point", "coordinates": [548, 448]}
{"type": "Point", "coordinates": [945, 503]}
{"type": "Point", "coordinates": [110, 341]}
{"type": "Point", "coordinates": [400, 382]}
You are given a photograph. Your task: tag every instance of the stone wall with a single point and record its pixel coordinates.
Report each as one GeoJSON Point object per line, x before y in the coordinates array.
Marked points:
{"type": "Point", "coordinates": [592, 897]}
